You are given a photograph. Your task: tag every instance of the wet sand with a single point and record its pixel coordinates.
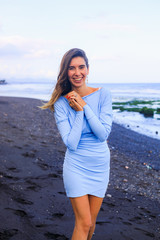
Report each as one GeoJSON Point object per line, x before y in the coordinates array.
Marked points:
{"type": "Point", "coordinates": [33, 204]}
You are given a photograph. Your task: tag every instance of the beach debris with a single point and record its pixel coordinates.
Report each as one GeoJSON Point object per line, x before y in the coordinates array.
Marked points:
{"type": "Point", "coordinates": [147, 166]}
{"type": "Point", "coordinates": [156, 132]}
{"type": "Point", "coordinates": [125, 180]}
{"type": "Point", "coordinates": [109, 195]}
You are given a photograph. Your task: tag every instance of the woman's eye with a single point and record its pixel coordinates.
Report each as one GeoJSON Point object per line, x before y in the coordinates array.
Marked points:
{"type": "Point", "coordinates": [70, 68]}
{"type": "Point", "coordinates": [81, 67]}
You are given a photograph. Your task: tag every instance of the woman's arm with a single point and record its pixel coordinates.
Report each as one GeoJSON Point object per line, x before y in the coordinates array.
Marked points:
{"type": "Point", "coordinates": [101, 126]}
{"type": "Point", "coordinates": [70, 134]}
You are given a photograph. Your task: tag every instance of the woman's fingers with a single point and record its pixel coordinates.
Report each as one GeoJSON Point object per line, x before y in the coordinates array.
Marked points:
{"type": "Point", "coordinates": [76, 97]}
{"type": "Point", "coordinates": [72, 94]}
{"type": "Point", "coordinates": [75, 105]}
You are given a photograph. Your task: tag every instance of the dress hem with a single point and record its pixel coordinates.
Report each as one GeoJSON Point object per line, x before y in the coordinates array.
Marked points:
{"type": "Point", "coordinates": [85, 195]}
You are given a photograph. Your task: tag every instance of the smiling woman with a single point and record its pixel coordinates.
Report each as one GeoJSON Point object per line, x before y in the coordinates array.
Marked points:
{"type": "Point", "coordinates": [77, 72]}
{"type": "Point", "coordinates": [83, 116]}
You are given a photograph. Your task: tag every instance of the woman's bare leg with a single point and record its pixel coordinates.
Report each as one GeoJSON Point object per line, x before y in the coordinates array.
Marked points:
{"type": "Point", "coordinates": [81, 208]}
{"type": "Point", "coordinates": [95, 205]}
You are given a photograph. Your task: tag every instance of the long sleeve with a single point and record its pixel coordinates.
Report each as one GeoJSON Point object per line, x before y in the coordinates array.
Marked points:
{"type": "Point", "coordinates": [70, 134]}
{"type": "Point", "coordinates": [101, 126]}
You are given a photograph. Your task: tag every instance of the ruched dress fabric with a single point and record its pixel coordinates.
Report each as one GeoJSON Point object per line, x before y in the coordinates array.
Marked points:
{"type": "Point", "coordinates": [86, 164]}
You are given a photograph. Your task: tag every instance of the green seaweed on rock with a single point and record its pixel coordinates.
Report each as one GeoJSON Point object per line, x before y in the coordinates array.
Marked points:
{"type": "Point", "coordinates": [158, 111]}
{"type": "Point", "coordinates": [147, 112]}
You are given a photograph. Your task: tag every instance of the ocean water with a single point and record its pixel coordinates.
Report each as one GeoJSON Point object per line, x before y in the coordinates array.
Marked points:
{"type": "Point", "coordinates": [121, 92]}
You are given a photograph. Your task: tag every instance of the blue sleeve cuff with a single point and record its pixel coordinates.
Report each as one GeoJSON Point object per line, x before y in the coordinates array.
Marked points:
{"type": "Point", "coordinates": [88, 112]}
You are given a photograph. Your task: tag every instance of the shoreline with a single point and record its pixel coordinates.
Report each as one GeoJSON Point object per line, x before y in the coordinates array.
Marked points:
{"type": "Point", "coordinates": [33, 203]}
{"type": "Point", "coordinates": [124, 125]}
{"type": "Point", "coordinates": [134, 93]}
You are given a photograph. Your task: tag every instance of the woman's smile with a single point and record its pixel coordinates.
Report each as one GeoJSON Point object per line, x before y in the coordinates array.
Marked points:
{"type": "Point", "coordinates": [77, 71]}
{"type": "Point", "coordinates": [78, 80]}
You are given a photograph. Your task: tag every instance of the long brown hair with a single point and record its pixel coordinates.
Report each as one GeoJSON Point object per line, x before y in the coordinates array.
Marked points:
{"type": "Point", "coordinates": [63, 86]}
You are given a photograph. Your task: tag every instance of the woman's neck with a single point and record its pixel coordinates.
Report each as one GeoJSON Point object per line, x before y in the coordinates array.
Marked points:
{"type": "Point", "coordinates": [82, 91]}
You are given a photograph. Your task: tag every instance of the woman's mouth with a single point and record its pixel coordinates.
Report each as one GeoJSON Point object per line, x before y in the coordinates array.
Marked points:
{"type": "Point", "coordinates": [77, 80]}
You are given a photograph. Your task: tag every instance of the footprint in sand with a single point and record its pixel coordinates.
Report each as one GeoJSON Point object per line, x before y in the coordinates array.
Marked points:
{"type": "Point", "coordinates": [33, 186]}
{"type": "Point", "coordinates": [18, 212]}
{"type": "Point", "coordinates": [41, 225]}
{"type": "Point", "coordinates": [17, 147]}
{"type": "Point", "coordinates": [40, 162]}
{"type": "Point", "coordinates": [23, 201]}
{"type": "Point", "coordinates": [109, 204]}
{"type": "Point", "coordinates": [8, 140]}
{"type": "Point", "coordinates": [145, 232]}
{"type": "Point", "coordinates": [50, 235]}
{"type": "Point", "coordinates": [11, 177]}
{"type": "Point", "coordinates": [7, 234]}
{"type": "Point", "coordinates": [13, 169]}
{"type": "Point", "coordinates": [63, 193]}
{"type": "Point", "coordinates": [127, 223]}
{"type": "Point", "coordinates": [136, 219]}
{"type": "Point", "coordinates": [145, 210]}
{"type": "Point", "coordinates": [59, 215]}
{"type": "Point", "coordinates": [53, 175]}
{"type": "Point", "coordinates": [102, 221]}
{"type": "Point", "coordinates": [29, 154]}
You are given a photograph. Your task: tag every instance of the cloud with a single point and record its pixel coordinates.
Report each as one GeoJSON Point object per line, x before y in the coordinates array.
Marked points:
{"type": "Point", "coordinates": [26, 57]}
{"type": "Point", "coordinates": [40, 53]}
{"type": "Point", "coordinates": [11, 50]}
{"type": "Point", "coordinates": [107, 58]}
{"type": "Point", "coordinates": [17, 46]}
{"type": "Point", "coordinates": [104, 23]}
{"type": "Point", "coordinates": [23, 69]}
{"type": "Point", "coordinates": [107, 26]}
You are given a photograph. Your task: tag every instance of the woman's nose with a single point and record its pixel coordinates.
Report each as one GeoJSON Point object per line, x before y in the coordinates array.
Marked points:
{"type": "Point", "coordinates": [77, 72]}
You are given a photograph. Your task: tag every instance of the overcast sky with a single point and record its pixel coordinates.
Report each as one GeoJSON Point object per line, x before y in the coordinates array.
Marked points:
{"type": "Point", "coordinates": [120, 37]}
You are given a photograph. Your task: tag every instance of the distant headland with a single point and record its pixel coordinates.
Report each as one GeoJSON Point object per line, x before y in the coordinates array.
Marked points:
{"type": "Point", "coordinates": [3, 81]}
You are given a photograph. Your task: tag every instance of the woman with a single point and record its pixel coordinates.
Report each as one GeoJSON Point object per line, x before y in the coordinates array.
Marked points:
{"type": "Point", "coordinates": [84, 117]}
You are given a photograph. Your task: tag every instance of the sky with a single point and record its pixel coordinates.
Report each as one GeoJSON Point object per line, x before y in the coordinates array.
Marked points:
{"type": "Point", "coordinates": [120, 37]}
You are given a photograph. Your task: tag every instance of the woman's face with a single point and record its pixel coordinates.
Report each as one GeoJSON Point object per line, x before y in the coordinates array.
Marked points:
{"type": "Point", "coordinates": [77, 71]}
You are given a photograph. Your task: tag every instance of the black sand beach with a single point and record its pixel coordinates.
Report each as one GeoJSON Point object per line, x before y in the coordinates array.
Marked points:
{"type": "Point", "coordinates": [33, 204]}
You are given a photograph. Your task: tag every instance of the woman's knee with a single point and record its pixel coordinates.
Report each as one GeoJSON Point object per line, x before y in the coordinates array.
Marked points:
{"type": "Point", "coordinates": [84, 224]}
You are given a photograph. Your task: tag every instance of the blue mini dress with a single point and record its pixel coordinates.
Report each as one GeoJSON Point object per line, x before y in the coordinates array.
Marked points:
{"type": "Point", "coordinates": [86, 165]}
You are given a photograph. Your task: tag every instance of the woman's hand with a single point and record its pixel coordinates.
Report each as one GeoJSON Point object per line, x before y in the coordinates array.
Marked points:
{"type": "Point", "coordinates": [75, 101]}
{"type": "Point", "coordinates": [73, 104]}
